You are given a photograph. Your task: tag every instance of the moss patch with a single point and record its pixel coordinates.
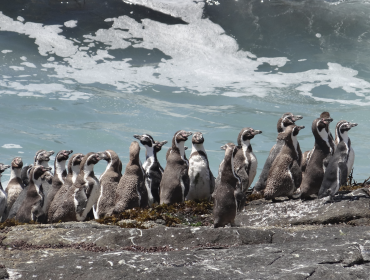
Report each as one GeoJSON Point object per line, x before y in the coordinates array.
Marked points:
{"type": "Point", "coordinates": [193, 213]}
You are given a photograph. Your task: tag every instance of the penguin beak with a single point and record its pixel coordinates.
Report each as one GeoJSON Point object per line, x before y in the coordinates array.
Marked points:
{"type": "Point", "coordinates": [187, 133]}
{"type": "Point", "coordinates": [45, 169]}
{"type": "Point", "coordinates": [301, 127]}
{"type": "Point", "coordinates": [297, 117]}
{"type": "Point", "coordinates": [138, 137]}
{"type": "Point", "coordinates": [353, 124]}
{"type": "Point", "coordinates": [224, 147]}
{"type": "Point", "coordinates": [257, 132]}
{"type": "Point", "coordinates": [3, 167]}
{"type": "Point", "coordinates": [329, 120]}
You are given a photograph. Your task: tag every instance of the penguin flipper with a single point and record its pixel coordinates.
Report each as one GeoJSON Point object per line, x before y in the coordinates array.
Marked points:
{"type": "Point", "coordinates": [212, 182]}
{"type": "Point", "coordinates": [244, 177]}
{"type": "Point", "coordinates": [343, 173]}
{"type": "Point", "coordinates": [186, 181]}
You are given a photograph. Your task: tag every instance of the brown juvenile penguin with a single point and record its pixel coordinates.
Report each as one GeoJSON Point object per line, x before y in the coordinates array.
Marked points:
{"type": "Point", "coordinates": [109, 181]}
{"type": "Point", "coordinates": [61, 208]}
{"type": "Point", "coordinates": [286, 120]}
{"type": "Point", "coordinates": [15, 185]}
{"type": "Point", "coordinates": [131, 190]}
{"type": "Point", "coordinates": [228, 191]}
{"type": "Point", "coordinates": [31, 209]}
{"type": "Point", "coordinates": [3, 203]}
{"type": "Point", "coordinates": [175, 182]}
{"type": "Point", "coordinates": [282, 178]}
{"type": "Point", "coordinates": [318, 158]}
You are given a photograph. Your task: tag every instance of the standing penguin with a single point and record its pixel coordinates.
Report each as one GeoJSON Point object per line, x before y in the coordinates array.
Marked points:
{"type": "Point", "coordinates": [282, 178]}
{"type": "Point", "coordinates": [31, 209]}
{"type": "Point", "coordinates": [202, 182]}
{"type": "Point", "coordinates": [129, 193]}
{"type": "Point", "coordinates": [42, 158]}
{"type": "Point", "coordinates": [337, 170]}
{"type": "Point", "coordinates": [60, 173]}
{"type": "Point", "coordinates": [318, 158]}
{"type": "Point", "coordinates": [25, 174]}
{"type": "Point", "coordinates": [152, 169]}
{"type": "Point", "coordinates": [3, 196]}
{"type": "Point", "coordinates": [245, 161]}
{"type": "Point", "coordinates": [62, 206]}
{"type": "Point", "coordinates": [109, 181]}
{"type": "Point", "coordinates": [286, 120]}
{"type": "Point", "coordinates": [228, 191]}
{"type": "Point", "coordinates": [174, 186]}
{"type": "Point", "coordinates": [341, 134]}
{"type": "Point", "coordinates": [86, 189]}
{"type": "Point", "coordinates": [15, 185]}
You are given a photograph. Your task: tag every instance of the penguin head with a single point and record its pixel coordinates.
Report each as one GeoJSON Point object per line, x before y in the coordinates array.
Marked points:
{"type": "Point", "coordinates": [230, 147]}
{"type": "Point", "coordinates": [145, 140]}
{"type": "Point", "coordinates": [158, 145]}
{"type": "Point", "coordinates": [37, 171]}
{"type": "Point", "coordinates": [286, 120]}
{"type": "Point", "coordinates": [341, 129]}
{"type": "Point", "coordinates": [3, 167]}
{"type": "Point", "coordinates": [197, 138]}
{"type": "Point", "coordinates": [247, 134]}
{"type": "Point", "coordinates": [63, 155]}
{"type": "Point", "coordinates": [134, 152]}
{"type": "Point", "coordinates": [180, 136]}
{"type": "Point", "coordinates": [321, 123]}
{"type": "Point", "coordinates": [43, 155]}
{"type": "Point", "coordinates": [290, 132]}
{"type": "Point", "coordinates": [17, 163]}
{"type": "Point", "coordinates": [47, 177]}
{"type": "Point", "coordinates": [89, 161]}
{"type": "Point", "coordinates": [74, 160]}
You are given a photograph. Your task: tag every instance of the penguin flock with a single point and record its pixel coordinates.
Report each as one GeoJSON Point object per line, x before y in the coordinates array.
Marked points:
{"type": "Point", "coordinates": [74, 193]}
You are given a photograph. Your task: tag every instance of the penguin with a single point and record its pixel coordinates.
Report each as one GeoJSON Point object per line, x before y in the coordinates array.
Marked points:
{"type": "Point", "coordinates": [129, 193]}
{"type": "Point", "coordinates": [86, 188]}
{"type": "Point", "coordinates": [42, 157]}
{"type": "Point", "coordinates": [317, 159]}
{"type": "Point", "coordinates": [228, 192]}
{"type": "Point", "coordinates": [3, 195]}
{"type": "Point", "coordinates": [286, 120]}
{"type": "Point", "coordinates": [31, 209]}
{"type": "Point", "coordinates": [341, 134]}
{"type": "Point", "coordinates": [109, 181]}
{"type": "Point", "coordinates": [60, 173]}
{"type": "Point", "coordinates": [282, 178]}
{"type": "Point", "coordinates": [62, 206]}
{"type": "Point", "coordinates": [152, 169]}
{"type": "Point", "coordinates": [15, 185]}
{"type": "Point", "coordinates": [306, 155]}
{"type": "Point", "coordinates": [174, 186]}
{"type": "Point", "coordinates": [337, 170]}
{"type": "Point", "coordinates": [202, 182]}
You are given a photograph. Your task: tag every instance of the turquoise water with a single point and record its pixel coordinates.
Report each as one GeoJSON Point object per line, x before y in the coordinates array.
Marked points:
{"type": "Point", "coordinates": [88, 76]}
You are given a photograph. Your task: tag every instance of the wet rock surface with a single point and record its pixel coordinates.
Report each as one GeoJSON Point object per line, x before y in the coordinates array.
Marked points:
{"type": "Point", "coordinates": [284, 240]}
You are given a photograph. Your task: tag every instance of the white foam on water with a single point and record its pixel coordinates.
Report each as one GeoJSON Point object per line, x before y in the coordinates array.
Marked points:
{"type": "Point", "coordinates": [16, 68]}
{"type": "Point", "coordinates": [6, 51]}
{"type": "Point", "coordinates": [28, 64]}
{"type": "Point", "coordinates": [19, 18]}
{"type": "Point", "coordinates": [11, 146]}
{"type": "Point", "coordinates": [70, 23]}
{"type": "Point", "coordinates": [204, 60]}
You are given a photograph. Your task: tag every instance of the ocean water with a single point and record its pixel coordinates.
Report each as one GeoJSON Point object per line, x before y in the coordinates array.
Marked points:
{"type": "Point", "coordinates": [88, 75]}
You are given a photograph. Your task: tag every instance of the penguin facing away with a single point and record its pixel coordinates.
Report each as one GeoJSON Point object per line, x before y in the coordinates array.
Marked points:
{"type": "Point", "coordinates": [337, 170]}
{"type": "Point", "coordinates": [202, 182]}
{"type": "Point", "coordinates": [282, 177]}
{"type": "Point", "coordinates": [25, 174]}
{"type": "Point", "coordinates": [318, 158]}
{"type": "Point", "coordinates": [60, 173]}
{"type": "Point", "coordinates": [62, 207]}
{"type": "Point", "coordinates": [174, 186]}
{"type": "Point", "coordinates": [152, 169]}
{"type": "Point", "coordinates": [42, 157]}
{"type": "Point", "coordinates": [129, 193]}
{"type": "Point", "coordinates": [341, 134]}
{"type": "Point", "coordinates": [31, 209]}
{"type": "Point", "coordinates": [228, 191]}
{"type": "Point", "coordinates": [109, 181]}
{"type": "Point", "coordinates": [286, 120]}
{"type": "Point", "coordinates": [15, 185]}
{"type": "Point", "coordinates": [3, 196]}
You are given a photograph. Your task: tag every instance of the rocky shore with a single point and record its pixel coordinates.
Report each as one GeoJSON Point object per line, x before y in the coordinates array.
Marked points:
{"type": "Point", "coordinates": [284, 240]}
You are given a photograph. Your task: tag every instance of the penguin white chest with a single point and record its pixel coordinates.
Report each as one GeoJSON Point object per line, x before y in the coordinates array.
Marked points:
{"type": "Point", "coordinates": [2, 202]}
{"type": "Point", "coordinates": [92, 199]}
{"type": "Point", "coordinates": [253, 168]}
{"type": "Point", "coordinates": [199, 176]}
